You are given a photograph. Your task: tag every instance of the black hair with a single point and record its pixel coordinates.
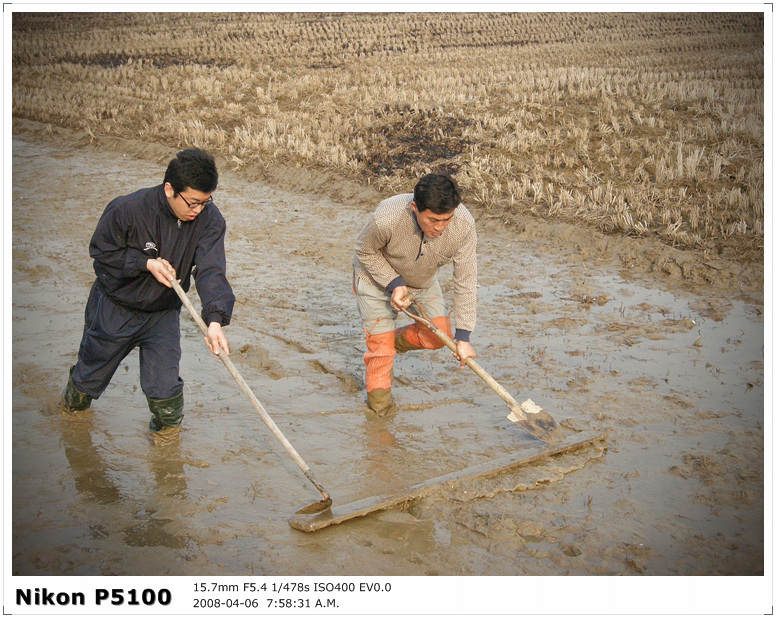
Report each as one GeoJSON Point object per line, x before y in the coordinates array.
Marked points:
{"type": "Point", "coordinates": [192, 168]}
{"type": "Point", "coordinates": [438, 193]}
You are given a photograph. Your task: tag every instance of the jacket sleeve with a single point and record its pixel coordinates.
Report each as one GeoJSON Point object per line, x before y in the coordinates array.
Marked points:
{"type": "Point", "coordinates": [109, 248]}
{"type": "Point", "coordinates": [368, 249]}
{"type": "Point", "coordinates": [213, 288]}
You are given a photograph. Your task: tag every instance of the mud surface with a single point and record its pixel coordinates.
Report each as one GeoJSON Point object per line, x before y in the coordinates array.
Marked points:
{"type": "Point", "coordinates": [669, 363]}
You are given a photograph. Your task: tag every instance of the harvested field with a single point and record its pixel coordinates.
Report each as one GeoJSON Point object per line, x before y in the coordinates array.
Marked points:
{"type": "Point", "coordinates": [648, 125]}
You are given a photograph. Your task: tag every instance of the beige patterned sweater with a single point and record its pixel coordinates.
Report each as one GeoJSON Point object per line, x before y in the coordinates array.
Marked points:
{"type": "Point", "coordinates": [392, 251]}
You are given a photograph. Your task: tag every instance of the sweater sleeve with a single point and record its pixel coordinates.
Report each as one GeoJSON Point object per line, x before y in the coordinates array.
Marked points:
{"type": "Point", "coordinates": [368, 249]}
{"type": "Point", "coordinates": [465, 286]}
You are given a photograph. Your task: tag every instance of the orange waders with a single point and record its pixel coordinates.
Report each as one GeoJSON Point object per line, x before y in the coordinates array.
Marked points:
{"type": "Point", "coordinates": [383, 340]}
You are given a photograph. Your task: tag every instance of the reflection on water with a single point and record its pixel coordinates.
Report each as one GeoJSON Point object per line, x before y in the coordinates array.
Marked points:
{"type": "Point", "coordinates": [89, 470]}
{"type": "Point", "coordinates": [98, 483]}
{"type": "Point", "coordinates": [377, 456]}
{"type": "Point", "coordinates": [167, 467]}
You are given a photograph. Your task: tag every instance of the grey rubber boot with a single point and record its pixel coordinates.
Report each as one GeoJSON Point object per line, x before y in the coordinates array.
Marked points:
{"type": "Point", "coordinates": [73, 400]}
{"type": "Point", "coordinates": [380, 401]}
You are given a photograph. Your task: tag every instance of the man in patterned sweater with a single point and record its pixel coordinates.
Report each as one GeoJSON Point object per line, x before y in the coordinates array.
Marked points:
{"type": "Point", "coordinates": [400, 250]}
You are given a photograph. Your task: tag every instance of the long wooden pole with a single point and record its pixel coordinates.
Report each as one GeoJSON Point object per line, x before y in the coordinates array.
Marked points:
{"type": "Point", "coordinates": [473, 365]}
{"type": "Point", "coordinates": [251, 397]}
{"type": "Point", "coordinates": [538, 423]}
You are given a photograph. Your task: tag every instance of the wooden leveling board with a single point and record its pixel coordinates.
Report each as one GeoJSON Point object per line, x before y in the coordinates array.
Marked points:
{"type": "Point", "coordinates": [527, 455]}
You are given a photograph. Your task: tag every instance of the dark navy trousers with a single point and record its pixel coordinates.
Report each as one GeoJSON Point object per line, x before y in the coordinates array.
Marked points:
{"type": "Point", "coordinates": [112, 331]}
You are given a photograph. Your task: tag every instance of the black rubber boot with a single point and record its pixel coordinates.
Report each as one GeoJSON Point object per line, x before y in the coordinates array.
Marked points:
{"type": "Point", "coordinates": [73, 400]}
{"type": "Point", "coordinates": [167, 415]}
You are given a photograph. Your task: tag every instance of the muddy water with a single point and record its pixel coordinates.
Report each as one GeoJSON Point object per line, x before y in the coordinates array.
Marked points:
{"type": "Point", "coordinates": [675, 377]}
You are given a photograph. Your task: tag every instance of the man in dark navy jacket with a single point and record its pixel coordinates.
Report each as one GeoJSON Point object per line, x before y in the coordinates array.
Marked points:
{"type": "Point", "coordinates": [142, 241]}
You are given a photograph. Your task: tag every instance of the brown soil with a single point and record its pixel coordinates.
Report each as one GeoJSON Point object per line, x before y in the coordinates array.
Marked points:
{"type": "Point", "coordinates": [661, 348]}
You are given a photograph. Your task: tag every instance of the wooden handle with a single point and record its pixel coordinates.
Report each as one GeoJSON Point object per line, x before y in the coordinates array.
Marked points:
{"type": "Point", "coordinates": [244, 387]}
{"type": "Point", "coordinates": [472, 364]}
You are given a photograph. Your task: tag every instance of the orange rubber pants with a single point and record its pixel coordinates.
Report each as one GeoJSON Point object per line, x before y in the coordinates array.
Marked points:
{"type": "Point", "coordinates": [380, 349]}
{"type": "Point", "coordinates": [421, 336]}
{"type": "Point", "coordinates": [379, 360]}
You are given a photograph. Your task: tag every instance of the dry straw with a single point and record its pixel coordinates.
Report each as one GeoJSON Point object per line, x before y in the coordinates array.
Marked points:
{"type": "Point", "coordinates": [643, 124]}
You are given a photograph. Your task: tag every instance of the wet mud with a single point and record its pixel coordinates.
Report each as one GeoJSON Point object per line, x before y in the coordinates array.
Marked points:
{"type": "Point", "coordinates": [665, 357]}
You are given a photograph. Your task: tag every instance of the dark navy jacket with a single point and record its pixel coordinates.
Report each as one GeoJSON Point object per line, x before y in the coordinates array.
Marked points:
{"type": "Point", "coordinates": [142, 225]}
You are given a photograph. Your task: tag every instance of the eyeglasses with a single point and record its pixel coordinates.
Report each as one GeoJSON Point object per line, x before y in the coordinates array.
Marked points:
{"type": "Point", "coordinates": [194, 205]}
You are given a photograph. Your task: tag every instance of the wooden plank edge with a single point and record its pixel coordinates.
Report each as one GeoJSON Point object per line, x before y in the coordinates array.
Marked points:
{"type": "Point", "coordinates": [359, 508]}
